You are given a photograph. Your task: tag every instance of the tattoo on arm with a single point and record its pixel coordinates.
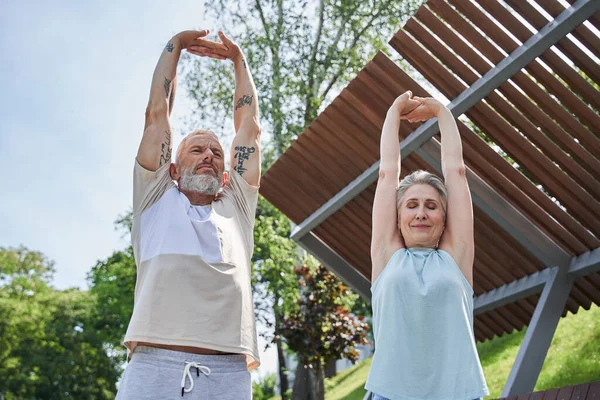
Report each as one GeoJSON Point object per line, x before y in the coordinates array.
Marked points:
{"type": "Point", "coordinates": [242, 154]}
{"type": "Point", "coordinates": [165, 152]}
{"type": "Point", "coordinates": [169, 47]}
{"type": "Point", "coordinates": [244, 61]}
{"type": "Point", "coordinates": [245, 99]}
{"type": "Point", "coordinates": [168, 87]}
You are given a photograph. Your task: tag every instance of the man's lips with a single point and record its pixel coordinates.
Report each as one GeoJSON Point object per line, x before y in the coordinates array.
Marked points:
{"type": "Point", "coordinates": [420, 226]}
{"type": "Point", "coordinates": [205, 167]}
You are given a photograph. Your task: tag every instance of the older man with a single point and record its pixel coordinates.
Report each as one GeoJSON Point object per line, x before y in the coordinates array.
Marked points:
{"type": "Point", "coordinates": [192, 331]}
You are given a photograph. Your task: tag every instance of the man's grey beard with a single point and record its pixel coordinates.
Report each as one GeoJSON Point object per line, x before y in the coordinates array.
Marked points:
{"type": "Point", "coordinates": [200, 183]}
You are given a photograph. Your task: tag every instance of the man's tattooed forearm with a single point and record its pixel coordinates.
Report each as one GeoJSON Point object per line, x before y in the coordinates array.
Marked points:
{"type": "Point", "coordinates": [241, 155]}
{"type": "Point", "coordinates": [245, 99]}
{"type": "Point", "coordinates": [167, 87]}
{"type": "Point", "coordinates": [165, 151]}
{"type": "Point", "coordinates": [169, 47]}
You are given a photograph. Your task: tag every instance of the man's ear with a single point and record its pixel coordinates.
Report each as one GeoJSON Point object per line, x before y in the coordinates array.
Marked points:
{"type": "Point", "coordinates": [174, 172]}
{"type": "Point", "coordinates": [225, 179]}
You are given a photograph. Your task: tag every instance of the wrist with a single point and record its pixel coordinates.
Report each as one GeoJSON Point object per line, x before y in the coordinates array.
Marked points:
{"type": "Point", "coordinates": [442, 109]}
{"type": "Point", "coordinates": [239, 58]}
{"type": "Point", "coordinates": [176, 42]}
{"type": "Point", "coordinates": [397, 107]}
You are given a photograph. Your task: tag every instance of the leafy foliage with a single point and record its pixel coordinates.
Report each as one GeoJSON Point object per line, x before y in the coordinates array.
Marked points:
{"type": "Point", "coordinates": [49, 348]}
{"type": "Point", "coordinates": [322, 328]}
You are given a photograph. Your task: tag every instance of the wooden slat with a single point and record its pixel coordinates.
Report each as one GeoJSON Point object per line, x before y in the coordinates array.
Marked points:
{"type": "Point", "coordinates": [580, 392]}
{"type": "Point", "coordinates": [529, 109]}
{"type": "Point", "coordinates": [565, 393]}
{"type": "Point", "coordinates": [567, 121]}
{"type": "Point", "coordinates": [507, 110]}
{"type": "Point", "coordinates": [538, 165]}
{"type": "Point", "coordinates": [537, 396]}
{"type": "Point", "coordinates": [594, 391]}
{"type": "Point", "coordinates": [565, 45]}
{"type": "Point", "coordinates": [582, 33]}
{"type": "Point", "coordinates": [551, 394]}
{"type": "Point", "coordinates": [489, 50]}
{"type": "Point", "coordinates": [484, 325]}
{"type": "Point", "coordinates": [565, 96]}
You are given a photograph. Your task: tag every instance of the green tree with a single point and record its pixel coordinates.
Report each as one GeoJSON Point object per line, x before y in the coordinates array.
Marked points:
{"type": "Point", "coordinates": [301, 54]}
{"type": "Point", "coordinates": [265, 389]}
{"type": "Point", "coordinates": [112, 282]}
{"type": "Point", "coordinates": [275, 288]}
{"type": "Point", "coordinates": [321, 329]}
{"type": "Point", "coordinates": [49, 348]}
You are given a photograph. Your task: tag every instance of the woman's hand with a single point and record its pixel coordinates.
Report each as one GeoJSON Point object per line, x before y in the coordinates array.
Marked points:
{"type": "Point", "coordinates": [427, 108]}
{"type": "Point", "coordinates": [404, 103]}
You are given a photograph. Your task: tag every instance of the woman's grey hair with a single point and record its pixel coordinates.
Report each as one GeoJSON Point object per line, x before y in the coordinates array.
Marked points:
{"type": "Point", "coordinates": [421, 177]}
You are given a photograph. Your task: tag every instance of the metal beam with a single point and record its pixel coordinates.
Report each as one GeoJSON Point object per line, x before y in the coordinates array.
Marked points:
{"type": "Point", "coordinates": [533, 350]}
{"type": "Point", "coordinates": [518, 59]}
{"type": "Point", "coordinates": [336, 202]}
{"type": "Point", "coordinates": [511, 292]}
{"type": "Point", "coordinates": [503, 213]}
{"type": "Point", "coordinates": [335, 263]}
{"type": "Point", "coordinates": [585, 264]}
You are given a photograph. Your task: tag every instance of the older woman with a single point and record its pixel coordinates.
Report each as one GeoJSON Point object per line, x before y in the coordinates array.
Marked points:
{"type": "Point", "coordinates": [423, 270]}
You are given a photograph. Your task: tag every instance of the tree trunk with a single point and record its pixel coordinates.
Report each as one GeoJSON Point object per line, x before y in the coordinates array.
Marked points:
{"type": "Point", "coordinates": [309, 383]}
{"type": "Point", "coordinates": [283, 379]}
{"type": "Point", "coordinates": [330, 368]}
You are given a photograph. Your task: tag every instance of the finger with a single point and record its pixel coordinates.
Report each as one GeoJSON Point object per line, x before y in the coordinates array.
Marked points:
{"type": "Point", "coordinates": [208, 51]}
{"type": "Point", "coordinates": [406, 95]}
{"type": "Point", "coordinates": [206, 54]}
{"type": "Point", "coordinates": [414, 114]}
{"type": "Point", "coordinates": [209, 43]}
{"type": "Point", "coordinates": [216, 56]}
{"type": "Point", "coordinates": [410, 105]}
{"type": "Point", "coordinates": [225, 39]}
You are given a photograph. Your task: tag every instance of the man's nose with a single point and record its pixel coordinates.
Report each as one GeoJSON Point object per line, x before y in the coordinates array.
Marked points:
{"type": "Point", "coordinates": [208, 155]}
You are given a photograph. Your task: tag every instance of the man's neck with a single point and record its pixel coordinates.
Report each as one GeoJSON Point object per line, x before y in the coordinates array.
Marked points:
{"type": "Point", "coordinates": [198, 199]}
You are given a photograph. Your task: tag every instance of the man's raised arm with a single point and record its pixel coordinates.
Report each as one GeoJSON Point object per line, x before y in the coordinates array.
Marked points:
{"type": "Point", "coordinates": [245, 150]}
{"type": "Point", "coordinates": [156, 146]}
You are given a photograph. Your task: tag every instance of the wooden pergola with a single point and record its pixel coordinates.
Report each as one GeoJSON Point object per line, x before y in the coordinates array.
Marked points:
{"type": "Point", "coordinates": [526, 77]}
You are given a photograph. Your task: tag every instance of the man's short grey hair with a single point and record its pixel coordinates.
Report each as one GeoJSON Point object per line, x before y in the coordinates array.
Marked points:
{"type": "Point", "coordinates": [422, 177]}
{"type": "Point", "coordinates": [194, 133]}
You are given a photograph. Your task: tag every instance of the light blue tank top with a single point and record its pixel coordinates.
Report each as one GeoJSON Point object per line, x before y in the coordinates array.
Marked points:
{"type": "Point", "coordinates": [423, 329]}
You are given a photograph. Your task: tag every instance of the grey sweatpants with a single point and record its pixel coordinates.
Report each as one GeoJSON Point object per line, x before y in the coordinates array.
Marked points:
{"type": "Point", "coordinates": [156, 373]}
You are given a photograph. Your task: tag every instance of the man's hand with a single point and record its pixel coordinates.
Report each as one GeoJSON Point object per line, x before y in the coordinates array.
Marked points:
{"type": "Point", "coordinates": [224, 50]}
{"type": "Point", "coordinates": [187, 38]}
{"type": "Point", "coordinates": [428, 108]}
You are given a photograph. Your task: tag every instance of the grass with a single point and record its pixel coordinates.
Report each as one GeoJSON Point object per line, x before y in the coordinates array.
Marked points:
{"type": "Point", "coordinates": [573, 357]}
{"type": "Point", "coordinates": [349, 383]}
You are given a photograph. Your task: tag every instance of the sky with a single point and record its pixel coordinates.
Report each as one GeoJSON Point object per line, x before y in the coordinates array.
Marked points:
{"type": "Point", "coordinates": [76, 77]}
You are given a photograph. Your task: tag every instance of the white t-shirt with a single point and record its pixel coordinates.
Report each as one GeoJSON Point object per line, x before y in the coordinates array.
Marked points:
{"type": "Point", "coordinates": [193, 283]}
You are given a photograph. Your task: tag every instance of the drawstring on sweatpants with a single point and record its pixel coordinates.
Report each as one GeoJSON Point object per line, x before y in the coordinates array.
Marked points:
{"type": "Point", "coordinates": [187, 374]}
